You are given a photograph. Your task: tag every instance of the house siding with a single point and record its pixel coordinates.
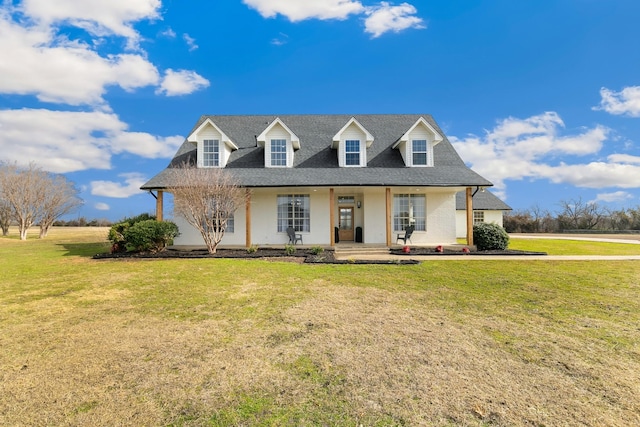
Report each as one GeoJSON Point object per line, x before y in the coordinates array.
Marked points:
{"type": "Point", "coordinates": [491, 217]}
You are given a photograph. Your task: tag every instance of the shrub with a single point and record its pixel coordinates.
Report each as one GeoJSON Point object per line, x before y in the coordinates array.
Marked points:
{"type": "Point", "coordinates": [118, 230]}
{"type": "Point", "coordinates": [317, 249]}
{"type": "Point", "coordinates": [150, 236]}
{"type": "Point", "coordinates": [490, 237]}
{"type": "Point", "coordinates": [289, 249]}
{"type": "Point", "coordinates": [252, 249]}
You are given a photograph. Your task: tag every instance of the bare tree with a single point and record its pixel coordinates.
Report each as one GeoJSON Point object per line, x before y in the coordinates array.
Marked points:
{"type": "Point", "coordinates": [60, 198]}
{"type": "Point", "coordinates": [579, 215]}
{"type": "Point", "coordinates": [5, 215]}
{"type": "Point", "coordinates": [206, 199]}
{"type": "Point", "coordinates": [34, 195]}
{"type": "Point", "coordinates": [23, 190]}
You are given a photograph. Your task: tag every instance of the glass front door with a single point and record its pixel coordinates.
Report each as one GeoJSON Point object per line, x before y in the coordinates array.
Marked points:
{"type": "Point", "coordinates": [346, 224]}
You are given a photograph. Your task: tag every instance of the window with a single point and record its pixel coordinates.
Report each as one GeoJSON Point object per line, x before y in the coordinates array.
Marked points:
{"type": "Point", "coordinates": [210, 153]}
{"type": "Point", "coordinates": [352, 152]}
{"type": "Point", "coordinates": [293, 211]}
{"type": "Point", "coordinates": [409, 209]}
{"type": "Point", "coordinates": [278, 152]}
{"type": "Point", "coordinates": [419, 150]}
{"type": "Point", "coordinates": [478, 217]}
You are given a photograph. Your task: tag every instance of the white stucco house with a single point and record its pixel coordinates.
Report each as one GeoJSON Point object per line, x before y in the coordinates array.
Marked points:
{"type": "Point", "coordinates": [334, 178]}
{"type": "Point", "coordinates": [487, 207]}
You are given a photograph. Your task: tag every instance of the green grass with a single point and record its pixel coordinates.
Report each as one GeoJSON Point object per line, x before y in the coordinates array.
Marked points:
{"type": "Point", "coordinates": [249, 342]}
{"type": "Point", "coordinates": [574, 247]}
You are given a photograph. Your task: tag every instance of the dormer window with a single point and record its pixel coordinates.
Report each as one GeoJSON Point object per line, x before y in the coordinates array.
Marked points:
{"type": "Point", "coordinates": [419, 152]}
{"type": "Point", "coordinates": [278, 152]}
{"type": "Point", "coordinates": [416, 145]}
{"type": "Point", "coordinates": [279, 144]}
{"type": "Point", "coordinates": [210, 153]}
{"type": "Point", "coordinates": [352, 142]}
{"type": "Point", "coordinates": [214, 147]}
{"type": "Point", "coordinates": [352, 152]}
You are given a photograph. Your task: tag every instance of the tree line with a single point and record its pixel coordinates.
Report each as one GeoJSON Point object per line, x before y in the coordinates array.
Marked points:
{"type": "Point", "coordinates": [573, 214]}
{"type": "Point", "coordinates": [29, 195]}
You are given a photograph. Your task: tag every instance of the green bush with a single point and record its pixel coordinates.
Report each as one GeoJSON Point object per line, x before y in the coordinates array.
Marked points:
{"type": "Point", "coordinates": [317, 250]}
{"type": "Point", "coordinates": [489, 237]}
{"type": "Point", "coordinates": [150, 236]}
{"type": "Point", "coordinates": [289, 249]}
{"type": "Point", "coordinates": [118, 230]}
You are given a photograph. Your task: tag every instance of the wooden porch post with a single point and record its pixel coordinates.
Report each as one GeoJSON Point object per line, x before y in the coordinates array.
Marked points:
{"type": "Point", "coordinates": [248, 219]}
{"type": "Point", "coordinates": [388, 213]}
{"type": "Point", "coordinates": [469, 217]}
{"type": "Point", "coordinates": [159, 205]}
{"type": "Point", "coordinates": [332, 221]}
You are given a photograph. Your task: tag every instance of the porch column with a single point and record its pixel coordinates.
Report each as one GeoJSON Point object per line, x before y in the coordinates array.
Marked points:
{"type": "Point", "coordinates": [247, 225]}
{"type": "Point", "coordinates": [469, 217]}
{"type": "Point", "coordinates": [159, 205]}
{"type": "Point", "coordinates": [388, 213]}
{"type": "Point", "coordinates": [332, 222]}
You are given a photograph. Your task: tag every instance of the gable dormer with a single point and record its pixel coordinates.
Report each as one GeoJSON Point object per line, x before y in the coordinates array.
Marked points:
{"type": "Point", "coordinates": [279, 143]}
{"type": "Point", "coordinates": [213, 146]}
{"type": "Point", "coordinates": [416, 145]}
{"type": "Point", "coordinates": [352, 142]}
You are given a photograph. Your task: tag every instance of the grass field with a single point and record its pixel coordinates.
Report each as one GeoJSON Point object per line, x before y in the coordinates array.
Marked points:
{"type": "Point", "coordinates": [215, 342]}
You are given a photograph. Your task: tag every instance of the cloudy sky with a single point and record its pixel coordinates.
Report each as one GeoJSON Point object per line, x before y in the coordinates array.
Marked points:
{"type": "Point", "coordinates": [542, 98]}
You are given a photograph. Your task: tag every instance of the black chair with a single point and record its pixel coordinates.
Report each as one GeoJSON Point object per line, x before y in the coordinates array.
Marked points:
{"type": "Point", "coordinates": [293, 237]}
{"type": "Point", "coordinates": [407, 234]}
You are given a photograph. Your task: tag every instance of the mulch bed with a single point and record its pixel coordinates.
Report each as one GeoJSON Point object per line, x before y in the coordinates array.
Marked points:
{"type": "Point", "coordinates": [300, 256]}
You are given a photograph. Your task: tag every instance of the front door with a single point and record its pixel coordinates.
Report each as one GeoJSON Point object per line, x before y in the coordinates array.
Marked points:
{"type": "Point", "coordinates": [345, 232]}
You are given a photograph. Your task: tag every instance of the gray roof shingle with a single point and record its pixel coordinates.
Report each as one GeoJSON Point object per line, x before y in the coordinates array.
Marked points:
{"type": "Point", "coordinates": [316, 163]}
{"type": "Point", "coordinates": [482, 200]}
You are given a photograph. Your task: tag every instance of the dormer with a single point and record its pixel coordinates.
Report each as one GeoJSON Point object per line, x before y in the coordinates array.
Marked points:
{"type": "Point", "coordinates": [213, 146]}
{"type": "Point", "coordinates": [416, 145]}
{"type": "Point", "coordinates": [279, 143]}
{"type": "Point", "coordinates": [352, 142]}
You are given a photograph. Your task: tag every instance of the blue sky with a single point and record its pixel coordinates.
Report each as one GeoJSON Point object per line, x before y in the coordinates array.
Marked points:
{"type": "Point", "coordinates": [542, 98]}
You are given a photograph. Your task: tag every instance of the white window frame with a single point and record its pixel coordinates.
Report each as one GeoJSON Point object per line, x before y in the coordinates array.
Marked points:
{"type": "Point", "coordinates": [478, 217]}
{"type": "Point", "coordinates": [424, 152]}
{"type": "Point", "coordinates": [211, 158]}
{"type": "Point", "coordinates": [347, 152]}
{"type": "Point", "coordinates": [294, 210]}
{"type": "Point", "coordinates": [409, 209]}
{"type": "Point", "coordinates": [277, 155]}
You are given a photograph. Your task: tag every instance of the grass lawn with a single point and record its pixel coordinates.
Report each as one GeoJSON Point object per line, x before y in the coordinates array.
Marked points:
{"type": "Point", "coordinates": [215, 342]}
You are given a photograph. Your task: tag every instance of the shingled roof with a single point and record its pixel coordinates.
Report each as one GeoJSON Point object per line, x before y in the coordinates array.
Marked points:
{"type": "Point", "coordinates": [483, 201]}
{"type": "Point", "coordinates": [316, 163]}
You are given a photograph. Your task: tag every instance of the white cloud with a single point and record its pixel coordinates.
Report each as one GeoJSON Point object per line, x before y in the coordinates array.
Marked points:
{"type": "Point", "coordinates": [132, 183]}
{"type": "Point", "coordinates": [64, 141]}
{"type": "Point", "coordinates": [386, 17]}
{"type": "Point", "coordinates": [379, 19]}
{"type": "Point", "coordinates": [102, 206]}
{"type": "Point", "coordinates": [626, 102]}
{"type": "Point", "coordinates": [181, 82]}
{"type": "Point", "coordinates": [60, 70]}
{"type": "Point", "coordinates": [528, 149]}
{"type": "Point", "coordinates": [296, 10]}
{"type": "Point", "coordinates": [98, 17]}
{"type": "Point", "coordinates": [616, 196]}
{"type": "Point", "coordinates": [190, 41]}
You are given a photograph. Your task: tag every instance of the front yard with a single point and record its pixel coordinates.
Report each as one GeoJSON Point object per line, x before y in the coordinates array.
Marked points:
{"type": "Point", "coordinates": [249, 342]}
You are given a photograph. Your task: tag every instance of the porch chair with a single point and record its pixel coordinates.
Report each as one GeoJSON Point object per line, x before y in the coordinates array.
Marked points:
{"type": "Point", "coordinates": [293, 237]}
{"type": "Point", "coordinates": [407, 234]}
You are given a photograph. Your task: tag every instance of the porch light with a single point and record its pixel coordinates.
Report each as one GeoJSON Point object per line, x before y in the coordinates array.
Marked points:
{"type": "Point", "coordinates": [359, 204]}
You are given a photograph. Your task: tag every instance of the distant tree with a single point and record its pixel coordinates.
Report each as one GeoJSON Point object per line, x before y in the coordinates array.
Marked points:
{"type": "Point", "coordinates": [206, 199]}
{"type": "Point", "coordinates": [60, 198]}
{"type": "Point", "coordinates": [579, 215]}
{"type": "Point", "coordinates": [36, 196]}
{"type": "Point", "coordinates": [5, 216]}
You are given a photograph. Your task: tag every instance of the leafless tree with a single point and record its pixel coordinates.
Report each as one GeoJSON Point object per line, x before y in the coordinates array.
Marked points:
{"type": "Point", "coordinates": [34, 195]}
{"type": "Point", "coordinates": [206, 199]}
{"type": "Point", "coordinates": [5, 216]}
{"type": "Point", "coordinates": [60, 198]}
{"type": "Point", "coordinates": [579, 215]}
